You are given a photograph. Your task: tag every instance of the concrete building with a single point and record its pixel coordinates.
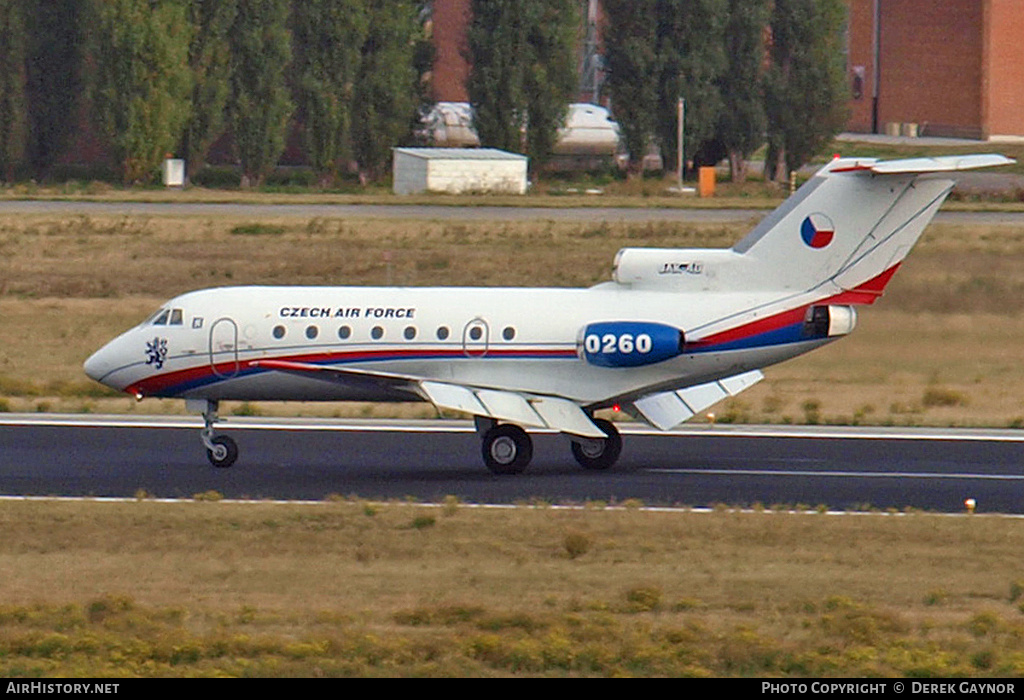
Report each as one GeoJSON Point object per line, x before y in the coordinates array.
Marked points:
{"type": "Point", "coordinates": [458, 171]}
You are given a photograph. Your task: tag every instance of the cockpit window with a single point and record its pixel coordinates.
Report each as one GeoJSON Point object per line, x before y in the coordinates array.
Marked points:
{"type": "Point", "coordinates": [163, 317]}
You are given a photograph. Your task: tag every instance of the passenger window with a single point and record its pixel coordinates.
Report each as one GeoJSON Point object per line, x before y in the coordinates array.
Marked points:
{"type": "Point", "coordinates": [409, 332]}
{"type": "Point", "coordinates": [312, 332]}
{"type": "Point", "coordinates": [442, 333]}
{"type": "Point", "coordinates": [475, 332]}
{"type": "Point", "coordinates": [344, 332]}
{"type": "Point", "coordinates": [509, 333]}
{"type": "Point", "coordinates": [278, 332]}
{"type": "Point", "coordinates": [377, 333]}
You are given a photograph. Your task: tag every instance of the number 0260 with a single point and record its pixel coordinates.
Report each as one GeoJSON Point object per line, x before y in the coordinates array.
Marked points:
{"type": "Point", "coordinates": [610, 343]}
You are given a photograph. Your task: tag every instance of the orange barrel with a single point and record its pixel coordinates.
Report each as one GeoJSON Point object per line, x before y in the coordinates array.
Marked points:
{"type": "Point", "coordinates": [706, 181]}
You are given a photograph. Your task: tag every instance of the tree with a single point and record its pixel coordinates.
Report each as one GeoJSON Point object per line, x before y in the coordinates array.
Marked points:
{"type": "Point", "coordinates": [53, 68]}
{"type": "Point", "coordinates": [691, 59]}
{"type": "Point", "coordinates": [328, 40]}
{"type": "Point", "coordinates": [385, 93]}
{"type": "Point", "coordinates": [522, 72]}
{"type": "Point", "coordinates": [208, 60]}
{"type": "Point", "coordinates": [805, 85]}
{"type": "Point", "coordinates": [12, 87]}
{"type": "Point", "coordinates": [631, 60]}
{"type": "Point", "coordinates": [259, 103]}
{"type": "Point", "coordinates": [551, 78]}
{"type": "Point", "coordinates": [495, 44]}
{"type": "Point", "coordinates": [742, 121]}
{"type": "Point", "coordinates": [142, 80]}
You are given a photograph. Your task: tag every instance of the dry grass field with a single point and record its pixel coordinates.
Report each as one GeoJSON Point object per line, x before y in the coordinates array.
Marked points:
{"type": "Point", "coordinates": [347, 588]}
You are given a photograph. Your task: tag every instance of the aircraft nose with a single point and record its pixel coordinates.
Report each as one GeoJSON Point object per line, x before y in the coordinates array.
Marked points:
{"type": "Point", "coordinates": [99, 364]}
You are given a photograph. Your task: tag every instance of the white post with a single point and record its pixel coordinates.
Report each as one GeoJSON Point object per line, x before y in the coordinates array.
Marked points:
{"type": "Point", "coordinates": [680, 115]}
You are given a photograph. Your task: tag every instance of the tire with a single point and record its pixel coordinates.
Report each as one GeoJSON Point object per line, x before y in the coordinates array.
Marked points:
{"type": "Point", "coordinates": [507, 449]}
{"type": "Point", "coordinates": [223, 458]}
{"type": "Point", "coordinates": [605, 454]}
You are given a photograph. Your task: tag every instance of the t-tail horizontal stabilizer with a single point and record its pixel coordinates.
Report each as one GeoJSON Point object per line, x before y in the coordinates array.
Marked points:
{"type": "Point", "coordinates": [670, 408]}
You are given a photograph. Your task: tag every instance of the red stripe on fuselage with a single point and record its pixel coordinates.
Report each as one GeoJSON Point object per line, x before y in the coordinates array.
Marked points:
{"type": "Point", "coordinates": [157, 384]}
{"type": "Point", "coordinates": [862, 295]}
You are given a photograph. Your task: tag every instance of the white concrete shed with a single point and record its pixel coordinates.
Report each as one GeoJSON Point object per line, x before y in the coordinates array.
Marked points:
{"type": "Point", "coordinates": [458, 170]}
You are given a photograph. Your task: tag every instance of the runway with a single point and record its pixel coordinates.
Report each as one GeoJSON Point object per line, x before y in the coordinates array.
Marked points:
{"type": "Point", "coordinates": [449, 213]}
{"type": "Point", "coordinates": [701, 465]}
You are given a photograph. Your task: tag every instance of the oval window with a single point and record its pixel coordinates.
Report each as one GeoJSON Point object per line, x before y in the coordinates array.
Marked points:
{"type": "Point", "coordinates": [476, 332]}
{"type": "Point", "coordinates": [312, 332]}
{"type": "Point", "coordinates": [509, 333]}
{"type": "Point", "coordinates": [377, 333]}
{"type": "Point", "coordinates": [344, 332]}
{"type": "Point", "coordinates": [442, 333]}
{"type": "Point", "coordinates": [278, 332]}
{"type": "Point", "coordinates": [409, 332]}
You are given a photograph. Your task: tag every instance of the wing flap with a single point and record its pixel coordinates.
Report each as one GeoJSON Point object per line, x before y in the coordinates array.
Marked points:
{"type": "Point", "coordinates": [667, 409]}
{"type": "Point", "coordinates": [566, 417]}
{"type": "Point", "coordinates": [507, 405]}
{"type": "Point", "coordinates": [454, 397]}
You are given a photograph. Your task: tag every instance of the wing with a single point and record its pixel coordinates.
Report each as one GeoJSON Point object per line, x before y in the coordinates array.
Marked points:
{"type": "Point", "coordinates": [523, 409]}
{"type": "Point", "coordinates": [668, 409]}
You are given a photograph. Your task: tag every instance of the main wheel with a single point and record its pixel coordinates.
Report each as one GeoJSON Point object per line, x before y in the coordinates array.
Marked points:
{"type": "Point", "coordinates": [224, 452]}
{"type": "Point", "coordinates": [507, 449]}
{"type": "Point", "coordinates": [599, 454]}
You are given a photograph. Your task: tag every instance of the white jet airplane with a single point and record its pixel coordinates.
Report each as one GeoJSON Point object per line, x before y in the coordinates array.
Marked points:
{"type": "Point", "coordinates": [675, 331]}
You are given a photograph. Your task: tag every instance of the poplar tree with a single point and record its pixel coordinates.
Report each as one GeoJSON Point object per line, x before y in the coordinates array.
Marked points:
{"type": "Point", "coordinates": [522, 72]}
{"type": "Point", "coordinates": [657, 51]}
{"type": "Point", "coordinates": [328, 40]}
{"type": "Point", "coordinates": [208, 60]}
{"type": "Point", "coordinates": [805, 85]}
{"type": "Point", "coordinates": [143, 82]}
{"type": "Point", "coordinates": [631, 61]}
{"type": "Point", "coordinates": [12, 87]}
{"type": "Point", "coordinates": [385, 95]}
{"type": "Point", "coordinates": [55, 31]}
{"type": "Point", "coordinates": [691, 59]}
{"type": "Point", "coordinates": [259, 102]}
{"type": "Point", "coordinates": [742, 120]}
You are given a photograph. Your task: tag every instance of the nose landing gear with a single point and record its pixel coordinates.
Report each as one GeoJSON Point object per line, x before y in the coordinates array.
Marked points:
{"type": "Point", "coordinates": [221, 450]}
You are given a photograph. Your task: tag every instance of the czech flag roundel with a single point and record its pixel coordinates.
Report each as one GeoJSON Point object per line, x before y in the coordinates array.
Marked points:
{"type": "Point", "coordinates": [817, 230]}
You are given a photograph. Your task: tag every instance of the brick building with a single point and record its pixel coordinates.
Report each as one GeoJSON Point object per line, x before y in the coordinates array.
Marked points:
{"type": "Point", "coordinates": [949, 68]}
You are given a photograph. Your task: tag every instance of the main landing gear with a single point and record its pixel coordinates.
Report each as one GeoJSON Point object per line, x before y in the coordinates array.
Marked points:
{"type": "Point", "coordinates": [221, 450]}
{"type": "Point", "coordinates": [507, 449]}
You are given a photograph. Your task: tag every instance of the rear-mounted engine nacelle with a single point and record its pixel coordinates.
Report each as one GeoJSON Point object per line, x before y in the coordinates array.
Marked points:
{"type": "Point", "coordinates": [829, 321]}
{"type": "Point", "coordinates": [628, 343]}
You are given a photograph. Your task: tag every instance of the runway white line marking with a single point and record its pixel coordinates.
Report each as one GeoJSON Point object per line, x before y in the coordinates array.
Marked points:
{"type": "Point", "coordinates": [449, 426]}
{"type": "Point", "coordinates": [886, 475]}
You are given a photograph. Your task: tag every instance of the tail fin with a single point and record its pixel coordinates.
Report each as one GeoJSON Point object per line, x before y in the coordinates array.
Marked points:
{"type": "Point", "coordinates": [851, 224]}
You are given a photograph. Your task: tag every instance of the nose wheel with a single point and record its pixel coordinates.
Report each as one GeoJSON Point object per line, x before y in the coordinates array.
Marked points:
{"type": "Point", "coordinates": [221, 450]}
